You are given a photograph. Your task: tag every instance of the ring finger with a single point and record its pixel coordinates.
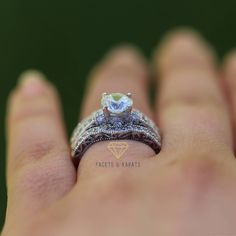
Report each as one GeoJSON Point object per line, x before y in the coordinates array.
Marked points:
{"type": "Point", "coordinates": [123, 70]}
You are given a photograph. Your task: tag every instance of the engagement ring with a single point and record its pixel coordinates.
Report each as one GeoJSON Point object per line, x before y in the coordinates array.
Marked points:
{"type": "Point", "coordinates": [116, 120]}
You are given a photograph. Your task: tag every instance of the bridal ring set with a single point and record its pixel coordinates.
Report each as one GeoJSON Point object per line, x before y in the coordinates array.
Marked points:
{"type": "Point", "coordinates": [116, 120]}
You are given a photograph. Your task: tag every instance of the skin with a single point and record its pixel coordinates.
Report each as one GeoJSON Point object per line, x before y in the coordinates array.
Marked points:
{"type": "Point", "coordinates": [187, 189]}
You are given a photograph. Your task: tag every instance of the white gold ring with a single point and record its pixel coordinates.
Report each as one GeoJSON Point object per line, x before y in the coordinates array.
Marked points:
{"type": "Point", "coordinates": [116, 120]}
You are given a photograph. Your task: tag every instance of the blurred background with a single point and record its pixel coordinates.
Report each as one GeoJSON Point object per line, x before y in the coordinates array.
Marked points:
{"type": "Point", "coordinates": [65, 39]}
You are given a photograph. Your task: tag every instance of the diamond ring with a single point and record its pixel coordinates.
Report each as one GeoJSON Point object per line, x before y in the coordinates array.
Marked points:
{"type": "Point", "coordinates": [116, 120]}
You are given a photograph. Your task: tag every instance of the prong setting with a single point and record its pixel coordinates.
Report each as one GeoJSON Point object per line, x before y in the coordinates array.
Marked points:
{"type": "Point", "coordinates": [116, 104]}
{"type": "Point", "coordinates": [106, 111]}
{"type": "Point", "coordinates": [129, 109]}
{"type": "Point", "coordinates": [129, 95]}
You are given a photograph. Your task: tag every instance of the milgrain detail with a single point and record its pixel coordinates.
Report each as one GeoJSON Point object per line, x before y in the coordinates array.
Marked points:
{"type": "Point", "coordinates": [97, 127]}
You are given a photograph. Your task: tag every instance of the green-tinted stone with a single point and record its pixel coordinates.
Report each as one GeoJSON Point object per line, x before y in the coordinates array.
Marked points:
{"type": "Point", "coordinates": [116, 103]}
{"type": "Point", "coordinates": [116, 96]}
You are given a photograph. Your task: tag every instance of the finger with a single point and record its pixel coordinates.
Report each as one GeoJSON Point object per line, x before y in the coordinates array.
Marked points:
{"type": "Point", "coordinates": [191, 109]}
{"type": "Point", "coordinates": [39, 167]}
{"type": "Point", "coordinates": [123, 70]}
{"type": "Point", "coordinates": [229, 83]}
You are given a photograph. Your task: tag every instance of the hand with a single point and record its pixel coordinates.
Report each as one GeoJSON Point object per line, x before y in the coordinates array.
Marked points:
{"type": "Point", "coordinates": [187, 189]}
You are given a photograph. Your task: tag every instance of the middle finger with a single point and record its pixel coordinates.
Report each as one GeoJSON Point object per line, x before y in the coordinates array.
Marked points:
{"type": "Point", "coordinates": [192, 112]}
{"type": "Point", "coordinates": [123, 70]}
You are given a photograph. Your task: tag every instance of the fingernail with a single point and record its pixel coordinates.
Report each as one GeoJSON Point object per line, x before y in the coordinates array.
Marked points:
{"type": "Point", "coordinates": [184, 48]}
{"type": "Point", "coordinates": [125, 54]}
{"type": "Point", "coordinates": [187, 41]}
{"type": "Point", "coordinates": [32, 83]}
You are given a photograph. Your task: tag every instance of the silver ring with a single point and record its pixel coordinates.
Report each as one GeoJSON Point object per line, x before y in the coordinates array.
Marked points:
{"type": "Point", "coordinates": [116, 120]}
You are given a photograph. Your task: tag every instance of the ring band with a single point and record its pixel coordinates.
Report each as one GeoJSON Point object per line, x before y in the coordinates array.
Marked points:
{"type": "Point", "coordinates": [115, 121]}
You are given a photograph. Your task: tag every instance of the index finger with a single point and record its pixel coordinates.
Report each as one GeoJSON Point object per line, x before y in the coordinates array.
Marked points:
{"type": "Point", "coordinates": [40, 170]}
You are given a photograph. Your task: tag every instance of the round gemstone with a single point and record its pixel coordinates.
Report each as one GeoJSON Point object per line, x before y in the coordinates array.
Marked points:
{"type": "Point", "coordinates": [116, 103]}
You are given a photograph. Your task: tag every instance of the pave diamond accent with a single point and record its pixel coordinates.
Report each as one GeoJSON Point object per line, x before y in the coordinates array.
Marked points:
{"type": "Point", "coordinates": [116, 103]}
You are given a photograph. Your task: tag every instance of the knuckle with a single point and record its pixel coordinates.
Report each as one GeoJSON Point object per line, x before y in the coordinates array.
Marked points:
{"type": "Point", "coordinates": [198, 172]}
{"type": "Point", "coordinates": [42, 167]}
{"type": "Point", "coordinates": [22, 107]}
{"type": "Point", "coordinates": [205, 93]}
{"type": "Point", "coordinates": [40, 180]}
{"type": "Point", "coordinates": [38, 109]}
{"type": "Point", "coordinates": [36, 151]}
{"type": "Point", "coordinates": [191, 100]}
{"type": "Point", "coordinates": [118, 189]}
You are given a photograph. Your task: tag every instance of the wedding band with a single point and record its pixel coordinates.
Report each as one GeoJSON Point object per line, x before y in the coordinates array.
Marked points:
{"type": "Point", "coordinates": [116, 120]}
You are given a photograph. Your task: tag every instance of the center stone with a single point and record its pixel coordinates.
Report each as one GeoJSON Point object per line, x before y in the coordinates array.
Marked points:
{"type": "Point", "coordinates": [116, 103]}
